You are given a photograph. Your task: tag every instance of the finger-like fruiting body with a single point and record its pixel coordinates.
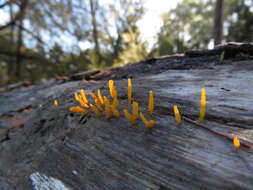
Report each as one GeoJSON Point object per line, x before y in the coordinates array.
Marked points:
{"type": "Point", "coordinates": [115, 111]}
{"type": "Point", "coordinates": [135, 110]}
{"type": "Point", "coordinates": [177, 114]}
{"type": "Point", "coordinates": [129, 90]}
{"type": "Point", "coordinates": [79, 109]}
{"type": "Point", "coordinates": [129, 116]}
{"type": "Point", "coordinates": [100, 97]}
{"type": "Point", "coordinates": [107, 108]}
{"type": "Point", "coordinates": [96, 111]}
{"type": "Point", "coordinates": [151, 103]}
{"type": "Point", "coordinates": [115, 102]}
{"type": "Point", "coordinates": [56, 103]}
{"type": "Point", "coordinates": [148, 123]}
{"type": "Point", "coordinates": [83, 95]}
{"type": "Point", "coordinates": [236, 142]}
{"type": "Point", "coordinates": [202, 112]}
{"type": "Point", "coordinates": [111, 84]}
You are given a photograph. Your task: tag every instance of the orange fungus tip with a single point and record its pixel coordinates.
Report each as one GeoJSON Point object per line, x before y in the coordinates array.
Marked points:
{"type": "Point", "coordinates": [236, 142]}
{"type": "Point", "coordinates": [56, 103]}
{"type": "Point", "coordinates": [177, 114]}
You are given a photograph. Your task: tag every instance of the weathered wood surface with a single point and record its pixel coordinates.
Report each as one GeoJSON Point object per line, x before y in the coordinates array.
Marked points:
{"type": "Point", "coordinates": [47, 147]}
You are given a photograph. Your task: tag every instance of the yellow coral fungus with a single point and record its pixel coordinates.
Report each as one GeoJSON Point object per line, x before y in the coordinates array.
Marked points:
{"type": "Point", "coordinates": [96, 110]}
{"type": "Point", "coordinates": [82, 99]}
{"type": "Point", "coordinates": [98, 104]}
{"type": "Point", "coordinates": [111, 84]}
{"type": "Point", "coordinates": [114, 92]}
{"type": "Point", "coordinates": [115, 102]}
{"type": "Point", "coordinates": [236, 142]}
{"type": "Point", "coordinates": [79, 109]}
{"type": "Point", "coordinates": [135, 110]}
{"type": "Point", "coordinates": [129, 90]}
{"type": "Point", "coordinates": [83, 95]}
{"type": "Point", "coordinates": [149, 123]}
{"type": "Point", "coordinates": [151, 103]}
{"type": "Point", "coordinates": [56, 103]}
{"type": "Point", "coordinates": [100, 97]}
{"type": "Point", "coordinates": [129, 116]}
{"type": "Point", "coordinates": [107, 108]}
{"type": "Point", "coordinates": [202, 112]}
{"type": "Point", "coordinates": [114, 107]}
{"type": "Point", "coordinates": [112, 88]}
{"type": "Point", "coordinates": [115, 111]}
{"type": "Point", "coordinates": [177, 114]}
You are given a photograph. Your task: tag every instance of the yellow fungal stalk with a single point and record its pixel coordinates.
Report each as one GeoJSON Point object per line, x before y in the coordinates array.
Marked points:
{"type": "Point", "coordinates": [56, 102]}
{"type": "Point", "coordinates": [149, 123]}
{"type": "Point", "coordinates": [107, 108]}
{"type": "Point", "coordinates": [96, 110]}
{"type": "Point", "coordinates": [115, 102]}
{"type": "Point", "coordinates": [112, 88]}
{"type": "Point", "coordinates": [151, 103]}
{"type": "Point", "coordinates": [83, 95]}
{"type": "Point", "coordinates": [79, 109]}
{"type": "Point", "coordinates": [132, 117]}
{"type": "Point", "coordinates": [115, 111]}
{"type": "Point", "coordinates": [177, 114]}
{"type": "Point", "coordinates": [81, 98]}
{"type": "Point", "coordinates": [114, 107]}
{"type": "Point", "coordinates": [135, 110]}
{"type": "Point", "coordinates": [129, 116]}
{"type": "Point", "coordinates": [100, 97]}
{"type": "Point", "coordinates": [129, 90]}
{"type": "Point", "coordinates": [202, 112]}
{"type": "Point", "coordinates": [114, 92]}
{"type": "Point", "coordinates": [236, 142]}
{"type": "Point", "coordinates": [98, 104]}
{"type": "Point", "coordinates": [111, 84]}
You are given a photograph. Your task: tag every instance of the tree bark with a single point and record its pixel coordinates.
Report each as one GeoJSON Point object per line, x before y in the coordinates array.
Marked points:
{"type": "Point", "coordinates": [218, 22]}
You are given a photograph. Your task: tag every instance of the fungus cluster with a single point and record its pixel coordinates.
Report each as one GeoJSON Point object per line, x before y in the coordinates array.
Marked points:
{"type": "Point", "coordinates": [110, 106]}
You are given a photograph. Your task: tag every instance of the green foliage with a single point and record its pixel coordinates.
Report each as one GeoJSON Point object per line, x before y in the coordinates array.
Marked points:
{"type": "Point", "coordinates": [133, 49]}
{"type": "Point", "coordinates": [190, 25]}
{"type": "Point", "coordinates": [239, 16]}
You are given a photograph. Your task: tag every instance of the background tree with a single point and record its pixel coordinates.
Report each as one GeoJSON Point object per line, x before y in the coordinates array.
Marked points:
{"type": "Point", "coordinates": [190, 25]}
{"type": "Point", "coordinates": [218, 22]}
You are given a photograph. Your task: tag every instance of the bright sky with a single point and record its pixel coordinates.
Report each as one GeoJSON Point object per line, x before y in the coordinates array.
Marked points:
{"type": "Point", "coordinates": [151, 21]}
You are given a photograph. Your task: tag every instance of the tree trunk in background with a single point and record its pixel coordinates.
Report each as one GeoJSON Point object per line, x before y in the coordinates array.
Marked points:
{"type": "Point", "coordinates": [19, 49]}
{"type": "Point", "coordinates": [10, 69]}
{"type": "Point", "coordinates": [218, 22]}
{"type": "Point", "coordinates": [93, 10]}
